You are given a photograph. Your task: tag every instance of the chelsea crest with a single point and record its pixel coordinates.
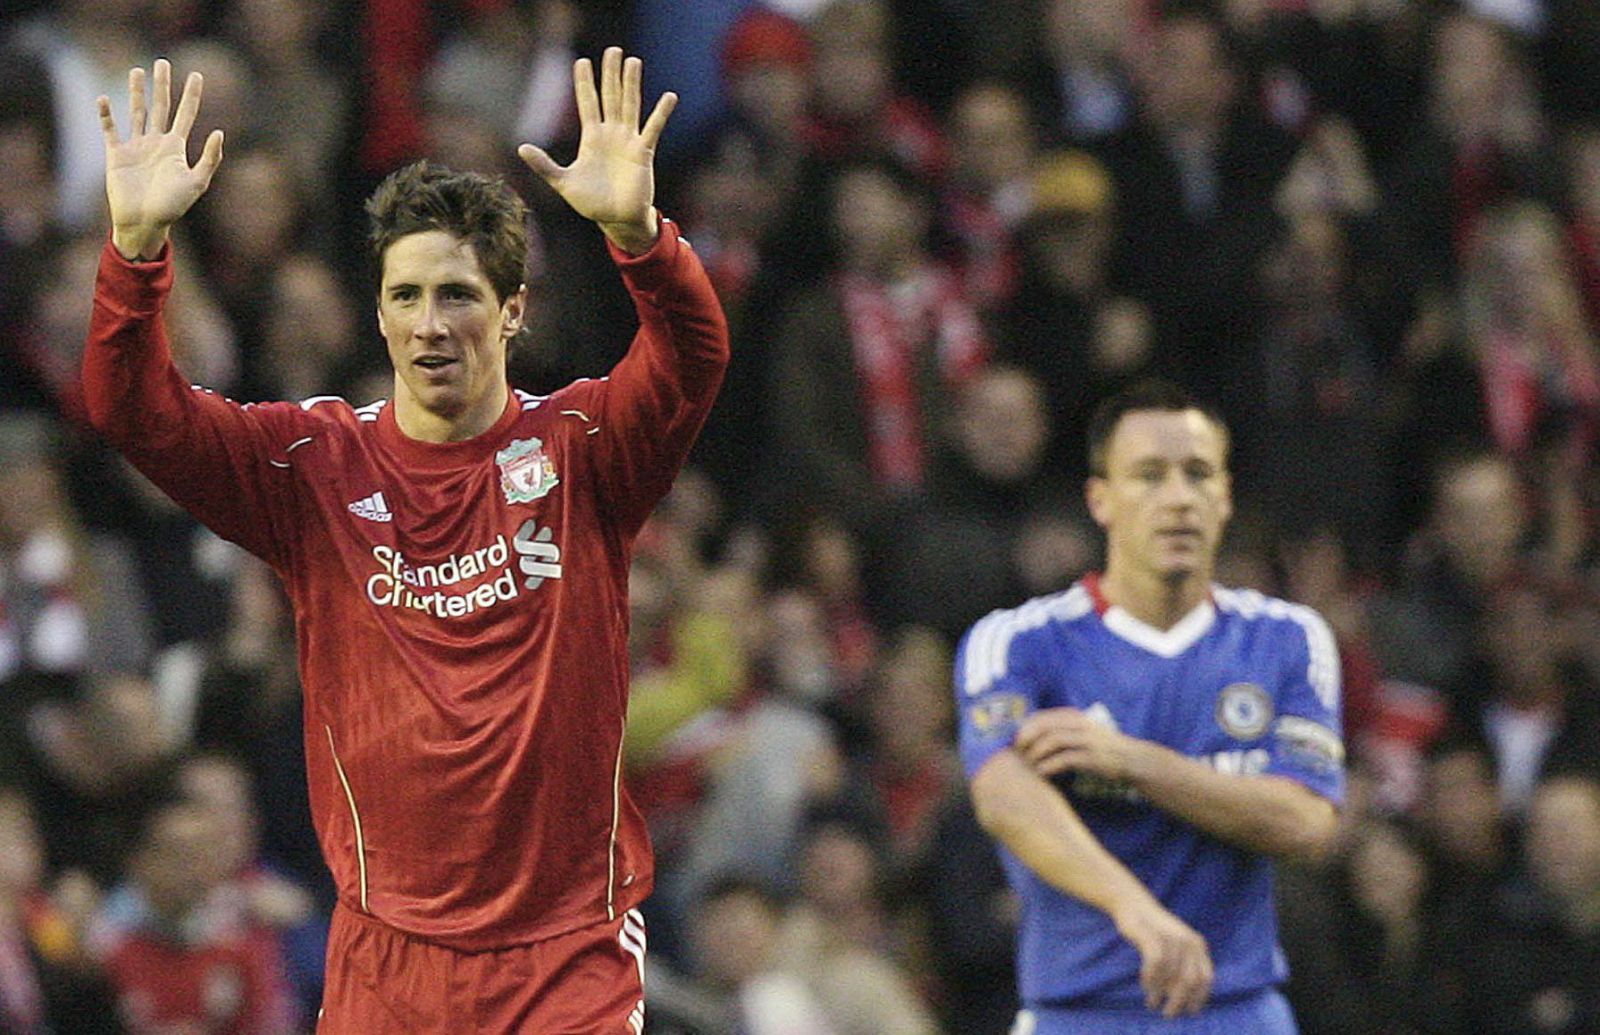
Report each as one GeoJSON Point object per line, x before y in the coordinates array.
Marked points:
{"type": "Point", "coordinates": [526, 474]}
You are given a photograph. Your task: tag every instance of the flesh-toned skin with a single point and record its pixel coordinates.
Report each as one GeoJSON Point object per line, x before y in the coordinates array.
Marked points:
{"type": "Point", "coordinates": [435, 300]}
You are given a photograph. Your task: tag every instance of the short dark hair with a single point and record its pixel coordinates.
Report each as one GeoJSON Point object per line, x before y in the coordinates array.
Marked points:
{"type": "Point", "coordinates": [481, 210]}
{"type": "Point", "coordinates": [1150, 394]}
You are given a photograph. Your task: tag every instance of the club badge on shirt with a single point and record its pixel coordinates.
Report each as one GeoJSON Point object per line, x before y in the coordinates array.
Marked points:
{"type": "Point", "coordinates": [526, 474]}
{"type": "Point", "coordinates": [1244, 710]}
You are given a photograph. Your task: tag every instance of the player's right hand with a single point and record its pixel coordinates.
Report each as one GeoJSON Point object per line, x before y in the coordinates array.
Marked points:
{"type": "Point", "coordinates": [149, 181]}
{"type": "Point", "coordinates": [1175, 964]}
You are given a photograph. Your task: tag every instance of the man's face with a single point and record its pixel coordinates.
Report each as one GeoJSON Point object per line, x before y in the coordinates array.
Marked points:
{"type": "Point", "coordinates": [445, 329]}
{"type": "Point", "coordinates": [1165, 494]}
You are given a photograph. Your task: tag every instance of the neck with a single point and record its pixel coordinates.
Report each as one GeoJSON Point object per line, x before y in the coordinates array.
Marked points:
{"type": "Point", "coordinates": [1154, 600]}
{"type": "Point", "coordinates": [426, 426]}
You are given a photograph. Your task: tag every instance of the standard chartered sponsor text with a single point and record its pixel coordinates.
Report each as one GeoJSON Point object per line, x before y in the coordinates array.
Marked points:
{"type": "Point", "coordinates": [401, 583]}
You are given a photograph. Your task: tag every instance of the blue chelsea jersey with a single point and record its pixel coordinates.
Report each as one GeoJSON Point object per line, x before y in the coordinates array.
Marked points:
{"type": "Point", "coordinates": [1245, 682]}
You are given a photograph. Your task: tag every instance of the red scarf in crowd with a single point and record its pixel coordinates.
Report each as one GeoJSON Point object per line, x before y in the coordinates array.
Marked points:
{"type": "Point", "coordinates": [1519, 389]}
{"type": "Point", "coordinates": [890, 330]}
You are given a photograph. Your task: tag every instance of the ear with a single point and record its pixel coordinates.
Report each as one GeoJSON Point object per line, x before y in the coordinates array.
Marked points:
{"type": "Point", "coordinates": [1226, 505]}
{"type": "Point", "coordinates": [1095, 494]}
{"type": "Point", "coordinates": [512, 311]}
{"type": "Point", "coordinates": [383, 328]}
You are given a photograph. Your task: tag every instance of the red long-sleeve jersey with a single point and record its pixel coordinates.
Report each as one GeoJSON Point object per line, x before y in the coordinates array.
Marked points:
{"type": "Point", "coordinates": [461, 608]}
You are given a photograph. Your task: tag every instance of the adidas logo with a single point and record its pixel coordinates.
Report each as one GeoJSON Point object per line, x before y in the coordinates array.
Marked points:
{"type": "Point", "coordinates": [373, 508]}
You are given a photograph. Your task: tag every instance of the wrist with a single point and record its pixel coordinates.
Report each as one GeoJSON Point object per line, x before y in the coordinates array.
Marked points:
{"type": "Point", "coordinates": [139, 244]}
{"type": "Point", "coordinates": [1139, 759]}
{"type": "Point", "coordinates": [634, 238]}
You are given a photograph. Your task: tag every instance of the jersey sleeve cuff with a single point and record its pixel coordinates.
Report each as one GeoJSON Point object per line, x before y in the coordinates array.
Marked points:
{"type": "Point", "coordinates": [651, 268]}
{"type": "Point", "coordinates": [134, 288]}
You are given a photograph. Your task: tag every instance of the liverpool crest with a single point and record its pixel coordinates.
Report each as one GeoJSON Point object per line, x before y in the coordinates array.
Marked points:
{"type": "Point", "coordinates": [526, 474]}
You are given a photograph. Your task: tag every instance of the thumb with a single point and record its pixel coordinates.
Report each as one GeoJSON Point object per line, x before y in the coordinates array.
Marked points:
{"type": "Point", "coordinates": [541, 163]}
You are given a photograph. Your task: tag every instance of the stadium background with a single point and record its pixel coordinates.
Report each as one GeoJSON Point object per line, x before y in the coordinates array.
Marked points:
{"type": "Point", "coordinates": [1369, 230]}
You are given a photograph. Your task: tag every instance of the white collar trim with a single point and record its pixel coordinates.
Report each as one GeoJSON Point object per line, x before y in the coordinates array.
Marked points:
{"type": "Point", "coordinates": [1166, 643]}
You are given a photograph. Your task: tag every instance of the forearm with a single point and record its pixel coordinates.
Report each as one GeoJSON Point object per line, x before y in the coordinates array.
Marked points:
{"type": "Point", "coordinates": [1269, 814]}
{"type": "Point", "coordinates": [131, 387]}
{"type": "Point", "coordinates": [1032, 819]}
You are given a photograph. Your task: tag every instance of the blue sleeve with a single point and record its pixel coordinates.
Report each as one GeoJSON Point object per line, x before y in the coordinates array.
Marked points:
{"type": "Point", "coordinates": [995, 688]}
{"type": "Point", "coordinates": [1306, 741]}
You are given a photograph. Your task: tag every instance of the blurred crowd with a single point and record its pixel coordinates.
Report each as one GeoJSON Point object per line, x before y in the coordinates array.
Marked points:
{"type": "Point", "coordinates": [1369, 230]}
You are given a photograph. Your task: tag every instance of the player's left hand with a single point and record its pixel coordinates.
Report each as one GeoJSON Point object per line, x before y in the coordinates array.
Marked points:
{"type": "Point", "coordinates": [612, 179]}
{"type": "Point", "coordinates": [1058, 740]}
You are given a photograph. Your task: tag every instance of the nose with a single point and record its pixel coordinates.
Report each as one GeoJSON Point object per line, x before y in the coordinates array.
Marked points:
{"type": "Point", "coordinates": [429, 325]}
{"type": "Point", "coordinates": [1177, 491]}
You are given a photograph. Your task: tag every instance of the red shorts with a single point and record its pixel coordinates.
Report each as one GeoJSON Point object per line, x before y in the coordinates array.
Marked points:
{"type": "Point", "coordinates": [587, 982]}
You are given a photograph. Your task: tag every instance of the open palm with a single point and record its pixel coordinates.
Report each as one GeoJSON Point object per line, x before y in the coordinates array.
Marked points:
{"type": "Point", "coordinates": [149, 181]}
{"type": "Point", "coordinates": [612, 179]}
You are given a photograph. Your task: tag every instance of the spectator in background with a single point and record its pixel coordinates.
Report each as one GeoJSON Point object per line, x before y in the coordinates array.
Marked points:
{"type": "Point", "coordinates": [736, 931]}
{"type": "Point", "coordinates": [91, 761]}
{"type": "Point", "coordinates": [1000, 521]}
{"type": "Point", "coordinates": [1083, 74]}
{"type": "Point", "coordinates": [1195, 176]}
{"type": "Point", "coordinates": [1583, 220]}
{"type": "Point", "coordinates": [69, 600]}
{"type": "Point", "coordinates": [311, 335]}
{"type": "Point", "coordinates": [910, 766]}
{"type": "Point", "coordinates": [1484, 141]}
{"type": "Point", "coordinates": [28, 223]}
{"type": "Point", "coordinates": [47, 983]}
{"type": "Point", "coordinates": [992, 150]}
{"type": "Point", "coordinates": [822, 559]}
{"type": "Point", "coordinates": [864, 365]}
{"type": "Point", "coordinates": [1528, 332]}
{"type": "Point", "coordinates": [840, 938]}
{"type": "Point", "coordinates": [857, 111]}
{"type": "Point", "coordinates": [1533, 971]}
{"type": "Point", "coordinates": [1069, 324]}
{"type": "Point", "coordinates": [1394, 969]}
{"type": "Point", "coordinates": [1538, 709]}
{"type": "Point", "coordinates": [179, 952]}
{"type": "Point", "coordinates": [84, 45]}
{"type": "Point", "coordinates": [52, 332]}
{"type": "Point", "coordinates": [1473, 858]}
{"type": "Point", "coordinates": [971, 914]}
{"type": "Point", "coordinates": [246, 704]}
{"type": "Point", "coordinates": [298, 93]}
{"type": "Point", "coordinates": [1318, 437]}
{"type": "Point", "coordinates": [1474, 543]}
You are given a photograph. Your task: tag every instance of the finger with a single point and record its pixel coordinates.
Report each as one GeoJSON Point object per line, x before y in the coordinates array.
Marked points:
{"type": "Point", "coordinates": [136, 109]}
{"type": "Point", "coordinates": [541, 163]}
{"type": "Point", "coordinates": [189, 104]}
{"type": "Point", "coordinates": [210, 158]}
{"type": "Point", "coordinates": [1151, 981]}
{"type": "Point", "coordinates": [1194, 982]}
{"type": "Point", "coordinates": [611, 83]}
{"type": "Point", "coordinates": [583, 92]}
{"type": "Point", "coordinates": [632, 79]}
{"type": "Point", "coordinates": [160, 95]}
{"type": "Point", "coordinates": [108, 125]}
{"type": "Point", "coordinates": [658, 119]}
{"type": "Point", "coordinates": [1055, 763]}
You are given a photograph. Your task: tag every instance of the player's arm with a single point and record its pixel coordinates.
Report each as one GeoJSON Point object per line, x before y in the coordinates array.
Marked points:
{"type": "Point", "coordinates": [1032, 819]}
{"type": "Point", "coordinates": [209, 454]}
{"type": "Point", "coordinates": [1264, 813]}
{"type": "Point", "coordinates": [655, 401]}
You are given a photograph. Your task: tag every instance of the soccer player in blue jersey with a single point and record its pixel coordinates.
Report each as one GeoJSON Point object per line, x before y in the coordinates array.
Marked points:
{"type": "Point", "coordinates": [1144, 744]}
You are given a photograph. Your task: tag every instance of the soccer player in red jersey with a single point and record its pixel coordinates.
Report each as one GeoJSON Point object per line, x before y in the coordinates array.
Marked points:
{"type": "Point", "coordinates": [457, 558]}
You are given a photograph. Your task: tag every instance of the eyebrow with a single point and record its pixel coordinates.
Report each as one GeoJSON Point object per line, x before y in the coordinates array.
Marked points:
{"type": "Point", "coordinates": [458, 285]}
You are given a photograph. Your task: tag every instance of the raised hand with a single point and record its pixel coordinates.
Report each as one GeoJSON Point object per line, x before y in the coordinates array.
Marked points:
{"type": "Point", "coordinates": [149, 181]}
{"type": "Point", "coordinates": [612, 179]}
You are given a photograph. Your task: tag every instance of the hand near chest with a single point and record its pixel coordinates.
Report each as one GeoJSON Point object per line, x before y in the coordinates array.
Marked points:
{"type": "Point", "coordinates": [1059, 740]}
